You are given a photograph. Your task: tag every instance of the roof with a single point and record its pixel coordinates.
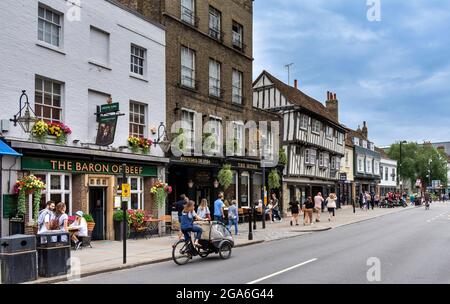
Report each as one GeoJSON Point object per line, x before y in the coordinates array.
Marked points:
{"type": "Point", "coordinates": [7, 150]}
{"type": "Point", "coordinates": [383, 153]}
{"type": "Point", "coordinates": [301, 99]}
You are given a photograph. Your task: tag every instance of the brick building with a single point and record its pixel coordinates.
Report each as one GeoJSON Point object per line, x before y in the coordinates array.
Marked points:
{"type": "Point", "coordinates": [209, 79]}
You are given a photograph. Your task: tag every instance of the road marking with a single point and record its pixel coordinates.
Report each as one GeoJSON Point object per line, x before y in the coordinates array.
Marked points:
{"type": "Point", "coordinates": [281, 272]}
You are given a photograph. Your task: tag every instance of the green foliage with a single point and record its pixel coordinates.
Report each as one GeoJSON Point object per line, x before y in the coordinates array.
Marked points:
{"type": "Point", "coordinates": [225, 176]}
{"type": "Point", "coordinates": [282, 157]}
{"type": "Point", "coordinates": [274, 179]}
{"type": "Point", "coordinates": [118, 216]}
{"type": "Point", "coordinates": [418, 160]}
{"type": "Point", "coordinates": [89, 218]}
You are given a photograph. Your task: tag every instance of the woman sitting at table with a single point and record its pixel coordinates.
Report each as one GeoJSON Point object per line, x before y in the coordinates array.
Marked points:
{"type": "Point", "coordinates": [80, 225]}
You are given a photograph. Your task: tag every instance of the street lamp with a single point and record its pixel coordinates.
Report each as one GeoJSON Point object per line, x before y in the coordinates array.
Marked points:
{"type": "Point", "coordinates": [27, 120]}
{"type": "Point", "coordinates": [162, 140]}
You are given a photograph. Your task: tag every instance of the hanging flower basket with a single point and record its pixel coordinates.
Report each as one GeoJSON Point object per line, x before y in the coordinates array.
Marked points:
{"type": "Point", "coordinates": [29, 184]}
{"type": "Point", "coordinates": [140, 144]}
{"type": "Point", "coordinates": [225, 176]}
{"type": "Point", "coordinates": [160, 190]}
{"type": "Point", "coordinates": [274, 179]}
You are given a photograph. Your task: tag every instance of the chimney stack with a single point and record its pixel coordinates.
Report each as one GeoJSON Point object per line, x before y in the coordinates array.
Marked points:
{"type": "Point", "coordinates": [296, 84]}
{"type": "Point", "coordinates": [365, 130]}
{"type": "Point", "coordinates": [332, 105]}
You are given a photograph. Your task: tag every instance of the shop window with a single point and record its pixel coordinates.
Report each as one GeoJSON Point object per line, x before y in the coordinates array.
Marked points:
{"type": "Point", "coordinates": [257, 186]}
{"type": "Point", "coordinates": [244, 190]}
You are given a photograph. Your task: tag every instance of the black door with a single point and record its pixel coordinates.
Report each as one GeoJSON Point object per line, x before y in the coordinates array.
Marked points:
{"type": "Point", "coordinates": [98, 212]}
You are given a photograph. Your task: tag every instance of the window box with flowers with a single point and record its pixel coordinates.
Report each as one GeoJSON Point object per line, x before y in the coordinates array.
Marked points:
{"type": "Point", "coordinates": [29, 185]}
{"type": "Point", "coordinates": [138, 144]}
{"type": "Point", "coordinates": [56, 130]}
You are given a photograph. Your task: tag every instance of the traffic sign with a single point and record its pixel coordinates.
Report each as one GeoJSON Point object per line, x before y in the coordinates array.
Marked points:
{"type": "Point", "coordinates": [126, 191]}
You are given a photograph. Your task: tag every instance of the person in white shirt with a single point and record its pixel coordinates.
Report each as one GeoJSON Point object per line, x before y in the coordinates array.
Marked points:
{"type": "Point", "coordinates": [44, 220]}
{"type": "Point", "coordinates": [80, 224]}
{"type": "Point", "coordinates": [331, 206]}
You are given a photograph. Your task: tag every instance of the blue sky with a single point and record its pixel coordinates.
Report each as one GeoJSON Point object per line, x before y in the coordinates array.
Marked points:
{"type": "Point", "coordinates": [395, 74]}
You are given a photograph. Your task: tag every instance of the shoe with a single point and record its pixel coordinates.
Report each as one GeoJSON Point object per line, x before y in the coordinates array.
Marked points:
{"type": "Point", "coordinates": [78, 245]}
{"type": "Point", "coordinates": [297, 225]}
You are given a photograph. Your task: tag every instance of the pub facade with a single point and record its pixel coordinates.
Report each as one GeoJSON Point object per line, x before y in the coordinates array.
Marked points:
{"type": "Point", "coordinates": [91, 88]}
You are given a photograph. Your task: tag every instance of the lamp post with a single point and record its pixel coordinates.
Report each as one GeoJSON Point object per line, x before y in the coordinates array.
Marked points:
{"type": "Point", "coordinates": [263, 165]}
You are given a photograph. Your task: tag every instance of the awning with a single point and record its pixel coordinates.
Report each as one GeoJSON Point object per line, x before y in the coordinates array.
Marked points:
{"type": "Point", "coordinates": [7, 150]}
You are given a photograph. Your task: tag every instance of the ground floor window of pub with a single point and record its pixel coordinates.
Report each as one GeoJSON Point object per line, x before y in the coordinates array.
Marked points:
{"type": "Point", "coordinates": [244, 189]}
{"type": "Point", "coordinates": [58, 189]}
{"type": "Point", "coordinates": [137, 192]}
{"type": "Point", "coordinates": [231, 192]}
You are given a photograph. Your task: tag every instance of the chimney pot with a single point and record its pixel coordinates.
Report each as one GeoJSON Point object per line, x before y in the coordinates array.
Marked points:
{"type": "Point", "coordinates": [334, 96]}
{"type": "Point", "coordinates": [296, 83]}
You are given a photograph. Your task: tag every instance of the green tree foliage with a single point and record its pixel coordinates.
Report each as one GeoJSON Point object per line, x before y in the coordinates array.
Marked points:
{"type": "Point", "coordinates": [417, 161]}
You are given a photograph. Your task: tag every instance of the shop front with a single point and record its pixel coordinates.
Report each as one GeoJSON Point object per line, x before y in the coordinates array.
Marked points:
{"type": "Point", "coordinates": [197, 178]}
{"type": "Point", "coordinates": [300, 189]}
{"type": "Point", "coordinates": [92, 185]}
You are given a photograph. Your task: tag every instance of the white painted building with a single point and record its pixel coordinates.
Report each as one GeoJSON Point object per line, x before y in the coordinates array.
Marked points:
{"type": "Point", "coordinates": [71, 57]}
{"type": "Point", "coordinates": [388, 171]}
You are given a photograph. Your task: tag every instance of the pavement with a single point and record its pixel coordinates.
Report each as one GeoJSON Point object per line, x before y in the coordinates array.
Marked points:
{"type": "Point", "coordinates": [106, 256]}
{"type": "Point", "coordinates": [405, 246]}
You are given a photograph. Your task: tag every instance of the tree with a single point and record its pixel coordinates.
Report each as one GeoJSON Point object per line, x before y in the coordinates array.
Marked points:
{"type": "Point", "coordinates": [417, 162]}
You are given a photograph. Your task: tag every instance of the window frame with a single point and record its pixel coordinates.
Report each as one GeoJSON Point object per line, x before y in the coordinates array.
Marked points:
{"type": "Point", "coordinates": [304, 122]}
{"type": "Point", "coordinates": [139, 58]}
{"type": "Point", "coordinates": [329, 133]}
{"type": "Point", "coordinates": [240, 41]}
{"type": "Point", "coordinates": [140, 191]}
{"type": "Point", "coordinates": [237, 98]}
{"type": "Point", "coordinates": [43, 105]}
{"type": "Point", "coordinates": [217, 135]}
{"type": "Point", "coordinates": [215, 33]}
{"type": "Point", "coordinates": [190, 70]}
{"type": "Point", "coordinates": [189, 144]}
{"type": "Point", "coordinates": [191, 12]}
{"type": "Point", "coordinates": [340, 138]}
{"type": "Point", "coordinates": [132, 105]}
{"type": "Point", "coordinates": [52, 24]}
{"type": "Point", "coordinates": [215, 83]}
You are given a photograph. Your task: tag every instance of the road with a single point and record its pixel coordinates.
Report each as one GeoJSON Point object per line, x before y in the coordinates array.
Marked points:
{"type": "Point", "coordinates": [411, 246]}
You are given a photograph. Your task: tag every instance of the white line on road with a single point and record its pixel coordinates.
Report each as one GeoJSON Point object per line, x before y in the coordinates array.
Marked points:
{"type": "Point", "coordinates": [281, 272]}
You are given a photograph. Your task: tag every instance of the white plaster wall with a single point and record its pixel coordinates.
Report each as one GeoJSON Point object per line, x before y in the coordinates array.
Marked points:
{"type": "Point", "coordinates": [21, 58]}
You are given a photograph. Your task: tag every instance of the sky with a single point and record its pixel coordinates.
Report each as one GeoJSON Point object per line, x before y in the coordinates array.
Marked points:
{"type": "Point", "coordinates": [393, 73]}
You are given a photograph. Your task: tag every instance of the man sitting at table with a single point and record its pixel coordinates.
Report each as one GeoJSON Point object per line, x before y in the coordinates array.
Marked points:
{"type": "Point", "coordinates": [80, 225]}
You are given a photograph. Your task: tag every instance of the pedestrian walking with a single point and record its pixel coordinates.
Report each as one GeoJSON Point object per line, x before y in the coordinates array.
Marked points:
{"type": "Point", "coordinates": [308, 209]}
{"type": "Point", "coordinates": [276, 208]}
{"type": "Point", "coordinates": [318, 201]}
{"type": "Point", "coordinates": [233, 216]}
{"type": "Point", "coordinates": [295, 211]}
{"type": "Point", "coordinates": [219, 214]}
{"type": "Point", "coordinates": [331, 206]}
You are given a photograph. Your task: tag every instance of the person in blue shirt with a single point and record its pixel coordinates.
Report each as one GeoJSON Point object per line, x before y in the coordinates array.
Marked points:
{"type": "Point", "coordinates": [233, 216]}
{"type": "Point", "coordinates": [187, 223]}
{"type": "Point", "coordinates": [218, 209]}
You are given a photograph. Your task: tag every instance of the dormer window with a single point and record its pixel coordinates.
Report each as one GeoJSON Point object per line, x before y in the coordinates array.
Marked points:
{"type": "Point", "coordinates": [356, 141]}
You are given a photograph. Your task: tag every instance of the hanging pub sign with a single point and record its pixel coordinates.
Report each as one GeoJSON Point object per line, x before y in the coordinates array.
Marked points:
{"type": "Point", "coordinates": [106, 130]}
{"type": "Point", "coordinates": [107, 116]}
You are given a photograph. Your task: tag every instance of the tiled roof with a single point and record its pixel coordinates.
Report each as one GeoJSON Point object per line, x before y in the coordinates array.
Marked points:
{"type": "Point", "coordinates": [301, 99]}
{"type": "Point", "coordinates": [382, 153]}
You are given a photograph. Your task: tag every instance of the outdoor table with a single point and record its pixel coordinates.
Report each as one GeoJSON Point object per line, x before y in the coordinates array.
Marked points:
{"type": "Point", "coordinates": [153, 225]}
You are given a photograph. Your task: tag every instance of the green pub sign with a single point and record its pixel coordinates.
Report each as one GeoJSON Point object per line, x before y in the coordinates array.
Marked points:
{"type": "Point", "coordinates": [76, 166]}
{"type": "Point", "coordinates": [109, 108]}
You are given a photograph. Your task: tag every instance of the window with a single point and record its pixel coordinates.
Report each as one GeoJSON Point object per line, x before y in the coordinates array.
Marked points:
{"type": "Point", "coordinates": [137, 60]}
{"type": "Point", "coordinates": [393, 174]}
{"type": "Point", "coordinates": [48, 100]}
{"type": "Point", "coordinates": [215, 23]}
{"type": "Point", "coordinates": [386, 173]}
{"type": "Point", "coordinates": [329, 132]}
{"type": "Point", "coordinates": [238, 31]}
{"type": "Point", "coordinates": [324, 160]}
{"type": "Point", "coordinates": [237, 87]}
{"type": "Point", "coordinates": [376, 167]}
{"type": "Point", "coordinates": [137, 192]}
{"type": "Point", "coordinates": [337, 163]}
{"type": "Point", "coordinates": [361, 164]}
{"type": "Point", "coordinates": [364, 144]}
{"type": "Point", "coordinates": [340, 138]}
{"type": "Point", "coordinates": [214, 78]}
{"type": "Point", "coordinates": [49, 26]}
{"type": "Point", "coordinates": [187, 117]}
{"type": "Point", "coordinates": [310, 156]}
{"type": "Point", "coordinates": [356, 141]}
{"type": "Point", "coordinates": [99, 46]}
{"type": "Point", "coordinates": [316, 126]}
{"type": "Point", "coordinates": [137, 119]}
{"type": "Point", "coordinates": [188, 68]}
{"type": "Point", "coordinates": [238, 138]}
{"type": "Point", "coordinates": [58, 189]}
{"type": "Point", "coordinates": [215, 128]}
{"type": "Point", "coordinates": [188, 11]}
{"type": "Point", "coordinates": [369, 165]}
{"type": "Point", "coordinates": [372, 146]}
{"type": "Point", "coordinates": [304, 122]}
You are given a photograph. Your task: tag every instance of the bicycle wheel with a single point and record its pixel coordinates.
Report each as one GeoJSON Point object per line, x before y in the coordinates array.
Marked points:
{"type": "Point", "coordinates": [181, 253]}
{"type": "Point", "coordinates": [225, 250]}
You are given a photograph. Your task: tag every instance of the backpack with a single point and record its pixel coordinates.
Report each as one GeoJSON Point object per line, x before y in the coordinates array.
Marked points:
{"type": "Point", "coordinates": [41, 218]}
{"type": "Point", "coordinates": [54, 223]}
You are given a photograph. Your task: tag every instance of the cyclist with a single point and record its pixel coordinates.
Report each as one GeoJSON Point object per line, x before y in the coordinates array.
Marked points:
{"type": "Point", "coordinates": [188, 217]}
